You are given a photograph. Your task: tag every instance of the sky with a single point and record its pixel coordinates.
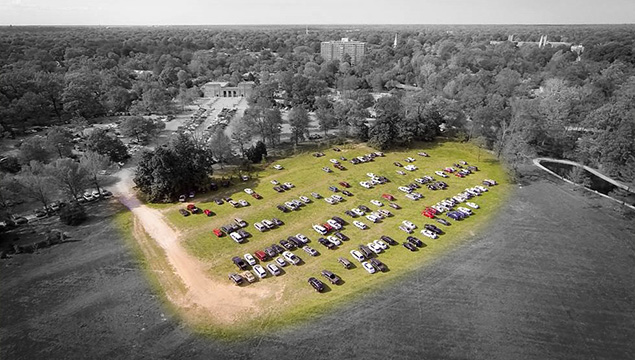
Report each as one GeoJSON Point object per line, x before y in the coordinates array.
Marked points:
{"type": "Point", "coordinates": [259, 12]}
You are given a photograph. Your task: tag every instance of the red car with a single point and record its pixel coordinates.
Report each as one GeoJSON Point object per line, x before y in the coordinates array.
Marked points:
{"type": "Point", "coordinates": [190, 206]}
{"type": "Point", "coordinates": [388, 197]}
{"type": "Point", "coordinates": [428, 214]}
{"type": "Point", "coordinates": [218, 233]}
{"type": "Point", "coordinates": [208, 212]}
{"type": "Point", "coordinates": [459, 175]}
{"type": "Point", "coordinates": [261, 255]}
{"type": "Point", "coordinates": [345, 184]}
{"type": "Point", "coordinates": [256, 196]}
{"type": "Point", "coordinates": [431, 210]}
{"type": "Point", "coordinates": [327, 227]}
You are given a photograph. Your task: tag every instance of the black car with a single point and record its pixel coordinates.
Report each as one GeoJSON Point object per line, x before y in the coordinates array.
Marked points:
{"type": "Point", "coordinates": [243, 233]}
{"type": "Point", "coordinates": [285, 187]}
{"type": "Point", "coordinates": [409, 246]}
{"type": "Point", "coordinates": [433, 228]}
{"type": "Point", "coordinates": [414, 185]}
{"type": "Point", "coordinates": [347, 193]}
{"type": "Point", "coordinates": [329, 245]}
{"type": "Point", "coordinates": [225, 229]}
{"type": "Point", "coordinates": [317, 284]}
{"type": "Point", "coordinates": [339, 220]}
{"type": "Point", "coordinates": [334, 279]}
{"type": "Point", "coordinates": [364, 208]}
{"type": "Point", "coordinates": [237, 279]}
{"type": "Point", "coordinates": [184, 212]}
{"type": "Point", "coordinates": [283, 208]}
{"type": "Point", "coordinates": [394, 206]}
{"type": "Point", "coordinates": [432, 187]}
{"type": "Point", "coordinates": [334, 189]}
{"type": "Point", "coordinates": [344, 261]}
{"type": "Point", "coordinates": [441, 185]}
{"type": "Point", "coordinates": [277, 248]}
{"type": "Point", "coordinates": [239, 262]}
{"type": "Point", "coordinates": [295, 241]}
{"type": "Point", "coordinates": [287, 244]}
{"type": "Point", "coordinates": [415, 241]}
{"type": "Point", "coordinates": [227, 199]}
{"type": "Point", "coordinates": [368, 253]}
{"type": "Point", "coordinates": [277, 222]}
{"type": "Point", "coordinates": [341, 236]}
{"type": "Point", "coordinates": [444, 222]}
{"type": "Point", "coordinates": [389, 240]}
{"type": "Point", "coordinates": [350, 213]}
{"type": "Point", "coordinates": [278, 189]}
{"type": "Point", "coordinates": [378, 264]}
{"type": "Point", "coordinates": [271, 252]}
{"type": "Point", "coordinates": [218, 201]}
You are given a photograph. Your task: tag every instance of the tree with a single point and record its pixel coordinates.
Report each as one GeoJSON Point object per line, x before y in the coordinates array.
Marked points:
{"type": "Point", "coordinates": [102, 142]}
{"type": "Point", "coordinates": [35, 149]}
{"type": "Point", "coordinates": [81, 95]}
{"type": "Point", "coordinates": [299, 122]}
{"type": "Point", "coordinates": [94, 163]}
{"type": "Point", "coordinates": [256, 153]}
{"type": "Point", "coordinates": [242, 135]}
{"type": "Point", "coordinates": [326, 118]}
{"type": "Point", "coordinates": [167, 172]}
{"type": "Point", "coordinates": [389, 128]}
{"type": "Point", "coordinates": [59, 139]}
{"type": "Point", "coordinates": [72, 214]}
{"type": "Point", "coordinates": [35, 183]}
{"type": "Point", "coordinates": [579, 177]}
{"type": "Point", "coordinates": [220, 146]}
{"type": "Point", "coordinates": [69, 176]}
{"type": "Point", "coordinates": [141, 128]}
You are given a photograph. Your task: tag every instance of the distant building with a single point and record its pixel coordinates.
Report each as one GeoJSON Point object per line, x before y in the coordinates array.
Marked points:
{"type": "Point", "coordinates": [335, 50]}
{"type": "Point", "coordinates": [222, 89]}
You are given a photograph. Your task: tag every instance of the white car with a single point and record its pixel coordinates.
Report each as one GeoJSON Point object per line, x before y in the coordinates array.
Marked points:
{"type": "Point", "coordinates": [401, 172]}
{"type": "Point", "coordinates": [278, 167]}
{"type": "Point", "coordinates": [360, 225]}
{"type": "Point", "coordinates": [249, 191]}
{"type": "Point", "coordinates": [334, 161]}
{"type": "Point", "coordinates": [334, 224]}
{"type": "Point", "coordinates": [309, 250]}
{"type": "Point", "coordinates": [358, 212]}
{"type": "Point", "coordinates": [409, 159]}
{"type": "Point", "coordinates": [335, 240]}
{"type": "Point", "coordinates": [319, 229]}
{"type": "Point", "coordinates": [305, 199]}
{"type": "Point", "coordinates": [377, 203]}
{"type": "Point", "coordinates": [377, 214]}
{"type": "Point", "coordinates": [465, 210]}
{"type": "Point", "coordinates": [372, 218]}
{"type": "Point", "coordinates": [405, 189]}
{"type": "Point", "coordinates": [268, 224]}
{"type": "Point", "coordinates": [273, 269]}
{"type": "Point", "coordinates": [280, 261]}
{"type": "Point", "coordinates": [275, 182]}
{"type": "Point", "coordinates": [337, 197]}
{"type": "Point", "coordinates": [357, 255]}
{"type": "Point", "coordinates": [289, 184]}
{"type": "Point", "coordinates": [405, 229]}
{"type": "Point", "coordinates": [482, 188]}
{"type": "Point", "coordinates": [429, 234]}
{"type": "Point", "coordinates": [236, 237]}
{"type": "Point", "coordinates": [381, 244]}
{"type": "Point", "coordinates": [291, 257]}
{"type": "Point", "coordinates": [365, 184]}
{"type": "Point", "coordinates": [250, 259]}
{"type": "Point", "coordinates": [441, 174]}
{"type": "Point", "coordinates": [410, 167]}
{"type": "Point", "coordinates": [374, 248]}
{"type": "Point", "coordinates": [303, 238]}
{"type": "Point", "coordinates": [330, 200]}
{"type": "Point", "coordinates": [260, 227]}
{"type": "Point", "coordinates": [459, 198]}
{"type": "Point", "coordinates": [385, 213]}
{"type": "Point", "coordinates": [370, 175]}
{"type": "Point", "coordinates": [369, 267]}
{"type": "Point", "coordinates": [260, 271]}
{"type": "Point", "coordinates": [409, 224]}
{"type": "Point", "coordinates": [472, 205]}
{"type": "Point", "coordinates": [412, 197]}
{"type": "Point", "coordinates": [243, 202]}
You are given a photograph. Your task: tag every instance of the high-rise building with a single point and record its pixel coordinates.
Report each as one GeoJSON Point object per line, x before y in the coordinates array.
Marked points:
{"type": "Point", "coordinates": [335, 50]}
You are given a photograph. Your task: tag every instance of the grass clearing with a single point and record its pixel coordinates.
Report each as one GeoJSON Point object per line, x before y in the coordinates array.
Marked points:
{"type": "Point", "coordinates": [288, 299]}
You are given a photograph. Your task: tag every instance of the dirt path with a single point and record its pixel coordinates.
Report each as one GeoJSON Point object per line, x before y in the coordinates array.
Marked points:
{"type": "Point", "coordinates": [223, 302]}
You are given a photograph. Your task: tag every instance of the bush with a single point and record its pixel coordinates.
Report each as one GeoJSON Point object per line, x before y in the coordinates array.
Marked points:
{"type": "Point", "coordinates": [72, 214]}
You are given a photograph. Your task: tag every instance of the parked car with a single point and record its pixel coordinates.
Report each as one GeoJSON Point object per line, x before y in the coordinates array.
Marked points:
{"type": "Point", "coordinates": [345, 263]}
{"type": "Point", "coordinates": [369, 267]}
{"type": "Point", "coordinates": [250, 259]}
{"type": "Point", "coordinates": [341, 236]}
{"type": "Point", "coordinates": [237, 279]}
{"type": "Point", "coordinates": [394, 206]}
{"type": "Point", "coordinates": [273, 269]}
{"type": "Point", "coordinates": [218, 232]}
{"type": "Point", "coordinates": [260, 227]}
{"type": "Point", "coordinates": [316, 284]}
{"type": "Point", "coordinates": [280, 261]}
{"type": "Point", "coordinates": [261, 255]}
{"type": "Point", "coordinates": [415, 241]}
{"type": "Point", "coordinates": [358, 255]}
{"type": "Point", "coordinates": [309, 250]}
{"type": "Point", "coordinates": [376, 203]}
{"type": "Point", "coordinates": [249, 276]}
{"type": "Point", "coordinates": [360, 225]}
{"type": "Point", "coordinates": [291, 257]}
{"type": "Point", "coordinates": [409, 246]}
{"type": "Point", "coordinates": [260, 271]}
{"type": "Point", "coordinates": [239, 262]}
{"type": "Point", "coordinates": [378, 264]}
{"type": "Point", "coordinates": [334, 279]}
{"type": "Point", "coordinates": [184, 212]}
{"type": "Point", "coordinates": [429, 234]}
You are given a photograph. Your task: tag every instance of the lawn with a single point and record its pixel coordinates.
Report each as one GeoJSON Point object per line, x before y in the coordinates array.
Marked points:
{"type": "Point", "coordinates": [288, 298]}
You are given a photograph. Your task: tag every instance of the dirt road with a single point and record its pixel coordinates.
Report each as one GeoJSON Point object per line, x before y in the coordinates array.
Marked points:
{"type": "Point", "coordinates": [223, 301]}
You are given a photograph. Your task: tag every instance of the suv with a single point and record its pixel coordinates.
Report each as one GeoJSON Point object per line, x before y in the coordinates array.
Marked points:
{"type": "Point", "coordinates": [261, 255]}
{"type": "Point", "coordinates": [344, 261]}
{"type": "Point", "coordinates": [237, 279]}
{"type": "Point", "coordinates": [378, 264]}
{"type": "Point", "coordinates": [317, 284]}
{"type": "Point", "coordinates": [240, 263]}
{"type": "Point", "coordinates": [334, 279]}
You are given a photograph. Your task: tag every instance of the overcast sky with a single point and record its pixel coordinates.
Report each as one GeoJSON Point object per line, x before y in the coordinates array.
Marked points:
{"type": "Point", "coordinates": [223, 12]}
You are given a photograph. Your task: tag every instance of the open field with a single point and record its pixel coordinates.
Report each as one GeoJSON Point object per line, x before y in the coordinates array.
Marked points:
{"type": "Point", "coordinates": [549, 278]}
{"type": "Point", "coordinates": [286, 299]}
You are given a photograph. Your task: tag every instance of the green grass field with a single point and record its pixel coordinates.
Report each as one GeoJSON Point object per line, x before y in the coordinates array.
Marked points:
{"type": "Point", "coordinates": [288, 298]}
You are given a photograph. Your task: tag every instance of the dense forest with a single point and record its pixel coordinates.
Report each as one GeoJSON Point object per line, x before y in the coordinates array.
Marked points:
{"type": "Point", "coordinates": [519, 101]}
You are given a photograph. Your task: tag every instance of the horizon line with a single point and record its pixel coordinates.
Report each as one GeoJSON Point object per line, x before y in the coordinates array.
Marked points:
{"type": "Point", "coordinates": [303, 25]}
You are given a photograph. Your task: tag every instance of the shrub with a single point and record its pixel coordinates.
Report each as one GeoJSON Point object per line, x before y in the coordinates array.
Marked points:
{"type": "Point", "coordinates": [72, 214]}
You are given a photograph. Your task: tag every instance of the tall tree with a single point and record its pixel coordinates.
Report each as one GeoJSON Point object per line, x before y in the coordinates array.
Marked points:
{"type": "Point", "coordinates": [102, 142]}
{"type": "Point", "coordinates": [299, 122]}
{"type": "Point", "coordinates": [59, 139]}
{"type": "Point", "coordinates": [35, 149]}
{"type": "Point", "coordinates": [242, 135]}
{"type": "Point", "coordinates": [94, 163]}
{"type": "Point", "coordinates": [141, 128]}
{"type": "Point", "coordinates": [220, 145]}
{"type": "Point", "coordinates": [69, 175]}
{"type": "Point", "coordinates": [35, 183]}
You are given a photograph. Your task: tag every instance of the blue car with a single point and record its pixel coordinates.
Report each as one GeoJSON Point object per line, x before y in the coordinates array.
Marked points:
{"type": "Point", "coordinates": [333, 189]}
{"type": "Point", "coordinates": [454, 215]}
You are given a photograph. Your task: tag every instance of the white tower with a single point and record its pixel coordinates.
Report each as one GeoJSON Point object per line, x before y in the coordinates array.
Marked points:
{"type": "Point", "coordinates": [394, 44]}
